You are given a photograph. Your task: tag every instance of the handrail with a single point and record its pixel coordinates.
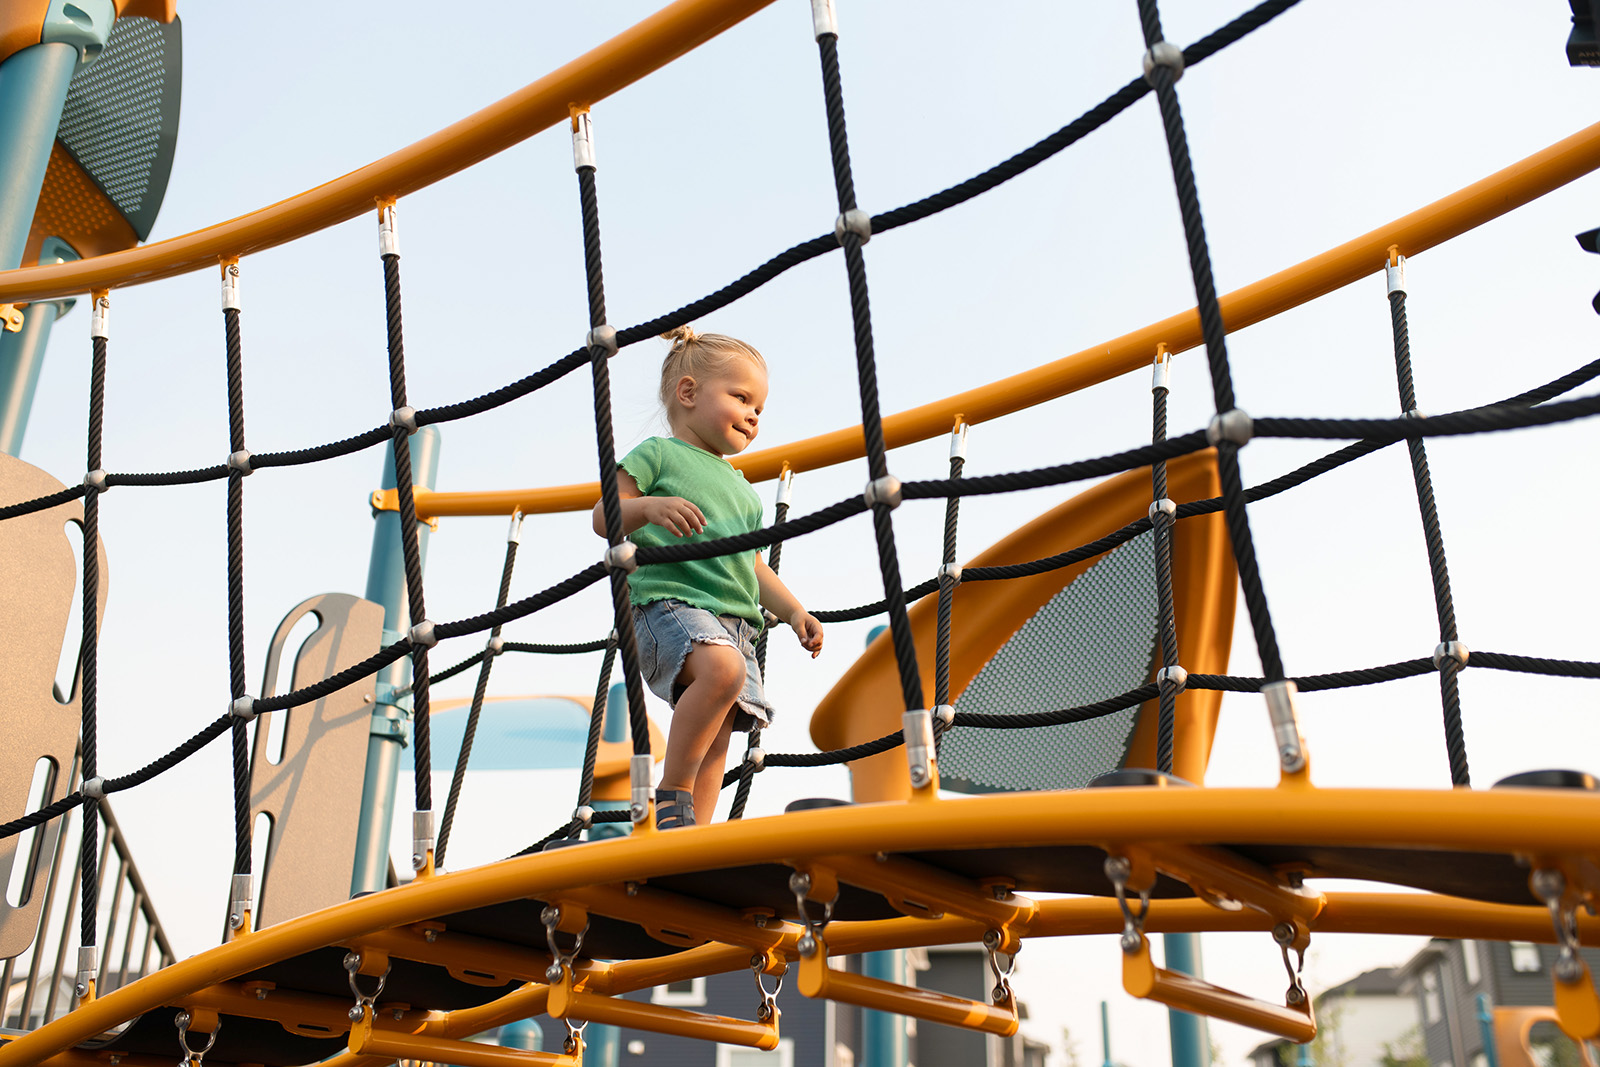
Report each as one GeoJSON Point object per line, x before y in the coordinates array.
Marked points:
{"type": "Point", "coordinates": [1504, 190]}
{"type": "Point", "coordinates": [635, 52]}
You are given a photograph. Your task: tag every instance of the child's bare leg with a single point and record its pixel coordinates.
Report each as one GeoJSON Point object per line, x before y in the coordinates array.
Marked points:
{"type": "Point", "coordinates": [708, 783]}
{"type": "Point", "coordinates": [714, 676]}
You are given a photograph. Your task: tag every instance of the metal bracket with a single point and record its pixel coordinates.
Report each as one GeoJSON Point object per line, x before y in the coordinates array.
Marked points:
{"type": "Point", "coordinates": [10, 318]}
{"type": "Point", "coordinates": [389, 500]}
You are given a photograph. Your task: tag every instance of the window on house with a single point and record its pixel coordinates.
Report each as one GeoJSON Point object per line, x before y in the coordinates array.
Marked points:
{"type": "Point", "coordinates": [1469, 960]}
{"type": "Point", "coordinates": [1431, 1008]}
{"type": "Point", "coordinates": [691, 992]}
{"type": "Point", "coordinates": [736, 1056]}
{"type": "Point", "coordinates": [1525, 957]}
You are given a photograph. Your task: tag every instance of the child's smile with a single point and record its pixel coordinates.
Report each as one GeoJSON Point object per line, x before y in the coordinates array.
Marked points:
{"type": "Point", "coordinates": [722, 414]}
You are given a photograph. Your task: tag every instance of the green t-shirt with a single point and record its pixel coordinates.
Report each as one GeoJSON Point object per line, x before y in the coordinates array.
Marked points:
{"type": "Point", "coordinates": [666, 466]}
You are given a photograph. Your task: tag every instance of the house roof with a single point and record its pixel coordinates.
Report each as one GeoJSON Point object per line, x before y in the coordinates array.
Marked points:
{"type": "Point", "coordinates": [1378, 982]}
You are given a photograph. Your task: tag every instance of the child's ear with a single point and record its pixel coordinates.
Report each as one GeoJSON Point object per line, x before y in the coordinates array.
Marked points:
{"type": "Point", "coordinates": [686, 391]}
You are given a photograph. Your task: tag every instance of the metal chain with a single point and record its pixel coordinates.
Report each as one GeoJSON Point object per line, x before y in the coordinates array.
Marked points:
{"type": "Point", "coordinates": [768, 1008]}
{"type": "Point", "coordinates": [352, 965]}
{"type": "Point", "coordinates": [1550, 886]}
{"type": "Point", "coordinates": [1001, 994]}
{"type": "Point", "coordinates": [551, 917]}
{"type": "Point", "coordinates": [193, 1057]}
{"type": "Point", "coordinates": [800, 885]}
{"type": "Point", "coordinates": [574, 1039]}
{"type": "Point", "coordinates": [1284, 935]}
{"type": "Point", "coordinates": [1118, 868]}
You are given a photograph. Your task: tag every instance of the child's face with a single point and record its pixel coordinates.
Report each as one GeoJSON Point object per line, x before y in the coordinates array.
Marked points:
{"type": "Point", "coordinates": [721, 414]}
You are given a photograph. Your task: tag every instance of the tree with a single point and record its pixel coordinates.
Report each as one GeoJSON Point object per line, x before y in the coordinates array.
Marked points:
{"type": "Point", "coordinates": [1405, 1051]}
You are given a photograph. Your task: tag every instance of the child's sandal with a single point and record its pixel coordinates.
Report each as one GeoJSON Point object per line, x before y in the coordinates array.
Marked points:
{"type": "Point", "coordinates": [674, 809]}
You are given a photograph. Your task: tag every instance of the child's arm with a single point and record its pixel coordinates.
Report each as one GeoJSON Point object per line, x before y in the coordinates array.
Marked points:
{"type": "Point", "coordinates": [776, 598]}
{"type": "Point", "coordinates": [671, 512]}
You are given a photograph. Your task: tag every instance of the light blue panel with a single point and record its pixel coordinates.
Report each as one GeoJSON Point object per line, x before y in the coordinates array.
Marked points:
{"type": "Point", "coordinates": [533, 734]}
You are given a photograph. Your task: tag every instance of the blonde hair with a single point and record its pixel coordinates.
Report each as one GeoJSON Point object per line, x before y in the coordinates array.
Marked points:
{"type": "Point", "coordinates": [699, 356]}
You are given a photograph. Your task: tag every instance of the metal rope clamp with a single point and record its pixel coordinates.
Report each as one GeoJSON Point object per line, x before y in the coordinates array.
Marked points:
{"type": "Point", "coordinates": [243, 708]}
{"type": "Point", "coordinates": [193, 1057]}
{"type": "Point", "coordinates": [951, 571]}
{"type": "Point", "coordinates": [1233, 425]}
{"type": "Point", "coordinates": [388, 231]}
{"type": "Point", "coordinates": [244, 891]}
{"type": "Point", "coordinates": [404, 418]}
{"type": "Point", "coordinates": [1163, 512]}
{"type": "Point", "coordinates": [1451, 650]}
{"type": "Point", "coordinates": [88, 965]}
{"type": "Point", "coordinates": [602, 336]}
{"type": "Point", "coordinates": [756, 757]}
{"type": "Point", "coordinates": [582, 140]}
{"type": "Point", "coordinates": [640, 772]}
{"type": "Point", "coordinates": [96, 480]}
{"type": "Point", "coordinates": [423, 635]}
{"type": "Point", "coordinates": [421, 838]}
{"type": "Point", "coordinates": [623, 557]}
{"type": "Point", "coordinates": [853, 221]}
{"type": "Point", "coordinates": [917, 726]}
{"type": "Point", "coordinates": [230, 287]}
{"type": "Point", "coordinates": [823, 19]}
{"type": "Point", "coordinates": [1163, 54]}
{"type": "Point", "coordinates": [1285, 725]}
{"type": "Point", "coordinates": [885, 490]}
{"type": "Point", "coordinates": [800, 886]}
{"type": "Point", "coordinates": [1172, 679]}
{"type": "Point", "coordinates": [364, 1001]}
{"type": "Point", "coordinates": [100, 321]}
{"type": "Point", "coordinates": [1395, 275]}
{"type": "Point", "coordinates": [240, 461]}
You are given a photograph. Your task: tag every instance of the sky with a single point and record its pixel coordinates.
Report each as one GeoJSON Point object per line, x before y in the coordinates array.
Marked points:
{"type": "Point", "coordinates": [1332, 120]}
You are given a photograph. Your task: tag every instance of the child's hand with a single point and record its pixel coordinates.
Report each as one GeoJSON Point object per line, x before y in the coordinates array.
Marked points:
{"type": "Point", "coordinates": [673, 513]}
{"type": "Point", "coordinates": [808, 630]}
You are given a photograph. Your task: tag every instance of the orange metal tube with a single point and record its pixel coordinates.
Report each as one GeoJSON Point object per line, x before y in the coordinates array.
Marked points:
{"type": "Point", "coordinates": [1142, 978]}
{"type": "Point", "coordinates": [1451, 216]}
{"type": "Point", "coordinates": [1218, 873]}
{"type": "Point", "coordinates": [637, 51]}
{"type": "Point", "coordinates": [817, 979]}
{"type": "Point", "coordinates": [569, 1003]}
{"type": "Point", "coordinates": [366, 1040]}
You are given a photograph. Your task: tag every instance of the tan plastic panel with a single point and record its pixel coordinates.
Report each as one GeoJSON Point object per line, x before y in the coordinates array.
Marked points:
{"type": "Point", "coordinates": [313, 795]}
{"type": "Point", "coordinates": [39, 577]}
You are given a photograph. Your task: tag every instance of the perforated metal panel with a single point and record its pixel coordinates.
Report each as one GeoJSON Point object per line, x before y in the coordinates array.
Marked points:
{"type": "Point", "coordinates": [1093, 640]}
{"type": "Point", "coordinates": [120, 121]}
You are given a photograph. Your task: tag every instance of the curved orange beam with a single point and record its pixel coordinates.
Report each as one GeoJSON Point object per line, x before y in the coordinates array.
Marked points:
{"type": "Point", "coordinates": [1502, 191]}
{"type": "Point", "coordinates": [645, 47]}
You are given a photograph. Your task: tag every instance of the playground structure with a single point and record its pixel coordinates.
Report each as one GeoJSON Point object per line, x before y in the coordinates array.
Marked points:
{"type": "Point", "coordinates": [564, 931]}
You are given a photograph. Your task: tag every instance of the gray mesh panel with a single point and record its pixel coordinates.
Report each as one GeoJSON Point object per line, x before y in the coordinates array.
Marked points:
{"type": "Point", "coordinates": [120, 120]}
{"type": "Point", "coordinates": [1094, 639]}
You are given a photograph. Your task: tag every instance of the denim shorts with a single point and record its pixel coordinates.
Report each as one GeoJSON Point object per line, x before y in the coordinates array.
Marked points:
{"type": "Point", "coordinates": [668, 629]}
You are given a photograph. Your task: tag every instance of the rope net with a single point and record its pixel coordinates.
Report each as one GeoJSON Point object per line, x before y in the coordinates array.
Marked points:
{"type": "Point", "coordinates": [1071, 684]}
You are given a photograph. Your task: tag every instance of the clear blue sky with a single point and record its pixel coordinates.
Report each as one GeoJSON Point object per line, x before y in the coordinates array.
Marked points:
{"type": "Point", "coordinates": [1336, 118]}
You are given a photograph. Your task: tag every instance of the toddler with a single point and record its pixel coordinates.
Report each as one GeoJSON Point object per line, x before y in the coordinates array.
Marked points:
{"type": "Point", "coordinates": [697, 621]}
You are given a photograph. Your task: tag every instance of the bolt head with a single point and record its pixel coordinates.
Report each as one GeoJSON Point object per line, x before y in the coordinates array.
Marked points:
{"type": "Point", "coordinates": [397, 1014]}
{"type": "Point", "coordinates": [806, 946]}
{"type": "Point", "coordinates": [1547, 884]}
{"type": "Point", "coordinates": [81, 989]}
{"type": "Point", "coordinates": [552, 973]}
{"type": "Point", "coordinates": [430, 936]}
{"type": "Point", "coordinates": [1569, 970]}
{"type": "Point", "coordinates": [920, 776]}
{"type": "Point", "coordinates": [417, 860]}
{"type": "Point", "coordinates": [235, 920]}
{"type": "Point", "coordinates": [261, 994]}
{"type": "Point", "coordinates": [632, 888]}
{"type": "Point", "coordinates": [991, 939]}
{"type": "Point", "coordinates": [1000, 994]}
{"type": "Point", "coordinates": [1295, 997]}
{"type": "Point", "coordinates": [356, 1013]}
{"type": "Point", "coordinates": [1131, 941]}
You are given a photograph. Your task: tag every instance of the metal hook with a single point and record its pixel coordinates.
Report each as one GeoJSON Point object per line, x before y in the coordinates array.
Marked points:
{"type": "Point", "coordinates": [190, 1055]}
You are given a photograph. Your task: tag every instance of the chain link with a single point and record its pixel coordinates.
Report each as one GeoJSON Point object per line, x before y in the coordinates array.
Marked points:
{"type": "Point", "coordinates": [1118, 869]}
{"type": "Point", "coordinates": [1001, 994]}
{"type": "Point", "coordinates": [551, 917]}
{"type": "Point", "coordinates": [1284, 935]}
{"type": "Point", "coordinates": [800, 885]}
{"type": "Point", "coordinates": [352, 966]}
{"type": "Point", "coordinates": [1550, 886]}
{"type": "Point", "coordinates": [768, 1008]}
{"type": "Point", "coordinates": [193, 1057]}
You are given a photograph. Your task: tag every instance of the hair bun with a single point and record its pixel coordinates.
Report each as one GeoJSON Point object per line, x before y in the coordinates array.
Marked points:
{"type": "Point", "coordinates": [681, 335]}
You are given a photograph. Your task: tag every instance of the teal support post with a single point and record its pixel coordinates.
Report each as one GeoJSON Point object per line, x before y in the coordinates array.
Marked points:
{"type": "Point", "coordinates": [33, 87]}
{"type": "Point", "coordinates": [1191, 1046]}
{"type": "Point", "coordinates": [524, 1034]}
{"type": "Point", "coordinates": [21, 357]}
{"type": "Point", "coordinates": [1303, 1055]}
{"type": "Point", "coordinates": [883, 1034]}
{"type": "Point", "coordinates": [603, 1044]}
{"type": "Point", "coordinates": [1486, 1027]}
{"type": "Point", "coordinates": [391, 718]}
{"type": "Point", "coordinates": [1105, 1036]}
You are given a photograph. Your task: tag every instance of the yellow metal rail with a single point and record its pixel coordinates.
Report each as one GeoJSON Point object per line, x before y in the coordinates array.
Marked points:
{"type": "Point", "coordinates": [1502, 191]}
{"type": "Point", "coordinates": [645, 47]}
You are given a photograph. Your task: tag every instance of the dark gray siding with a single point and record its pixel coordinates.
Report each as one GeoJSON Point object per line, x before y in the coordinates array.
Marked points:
{"type": "Point", "coordinates": [961, 974]}
{"type": "Point", "coordinates": [1519, 989]}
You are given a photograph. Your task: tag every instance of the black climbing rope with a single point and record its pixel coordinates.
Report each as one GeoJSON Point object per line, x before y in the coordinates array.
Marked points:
{"type": "Point", "coordinates": [238, 466]}
{"type": "Point", "coordinates": [1449, 665]}
{"type": "Point", "coordinates": [1163, 516]}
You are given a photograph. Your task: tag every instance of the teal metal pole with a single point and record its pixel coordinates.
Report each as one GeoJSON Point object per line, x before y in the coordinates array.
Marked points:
{"type": "Point", "coordinates": [1486, 1028]}
{"type": "Point", "coordinates": [1190, 1044]}
{"type": "Point", "coordinates": [33, 87]}
{"type": "Point", "coordinates": [883, 1035]}
{"type": "Point", "coordinates": [21, 357]}
{"type": "Point", "coordinates": [1105, 1036]}
{"type": "Point", "coordinates": [391, 718]}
